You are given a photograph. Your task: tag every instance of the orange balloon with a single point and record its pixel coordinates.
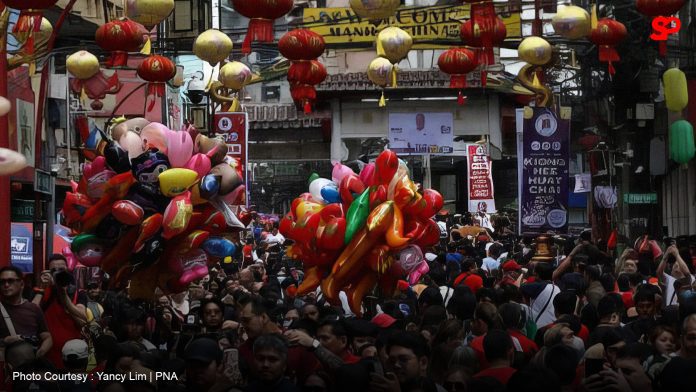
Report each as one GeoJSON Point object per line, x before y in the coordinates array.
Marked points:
{"type": "Point", "coordinates": [312, 279]}
{"type": "Point", "coordinates": [395, 233]}
{"type": "Point", "coordinates": [357, 291]}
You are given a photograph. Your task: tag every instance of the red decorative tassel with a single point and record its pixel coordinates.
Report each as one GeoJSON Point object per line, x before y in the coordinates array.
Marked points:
{"type": "Point", "coordinates": [259, 30]}
{"type": "Point", "coordinates": [612, 70]}
{"type": "Point", "coordinates": [307, 107]}
{"type": "Point", "coordinates": [484, 78]}
{"type": "Point", "coordinates": [157, 90]}
{"type": "Point", "coordinates": [608, 53]}
{"type": "Point", "coordinates": [458, 81]}
{"type": "Point", "coordinates": [461, 100]}
{"type": "Point", "coordinates": [117, 59]}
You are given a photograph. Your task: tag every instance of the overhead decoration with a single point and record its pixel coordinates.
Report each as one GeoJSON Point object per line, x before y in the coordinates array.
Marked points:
{"type": "Point", "coordinates": [457, 62]}
{"type": "Point", "coordinates": [302, 47]}
{"type": "Point", "coordinates": [657, 8]}
{"type": "Point", "coordinates": [538, 53]}
{"type": "Point", "coordinates": [119, 37]}
{"type": "Point", "coordinates": [606, 36]}
{"type": "Point", "coordinates": [156, 219]}
{"type": "Point", "coordinates": [676, 89]}
{"type": "Point", "coordinates": [30, 16]}
{"type": "Point", "coordinates": [89, 80]}
{"type": "Point", "coordinates": [681, 142]}
{"type": "Point", "coordinates": [393, 44]}
{"type": "Point", "coordinates": [572, 22]}
{"type": "Point", "coordinates": [157, 70]}
{"type": "Point", "coordinates": [24, 29]}
{"type": "Point", "coordinates": [213, 46]}
{"type": "Point", "coordinates": [149, 13]}
{"type": "Point", "coordinates": [261, 16]}
{"type": "Point", "coordinates": [483, 31]}
{"type": "Point", "coordinates": [232, 78]}
{"type": "Point", "coordinates": [374, 10]}
{"type": "Point", "coordinates": [380, 73]}
{"type": "Point", "coordinates": [355, 232]}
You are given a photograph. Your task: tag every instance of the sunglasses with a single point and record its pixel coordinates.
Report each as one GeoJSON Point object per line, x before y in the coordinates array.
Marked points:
{"type": "Point", "coordinates": [9, 281]}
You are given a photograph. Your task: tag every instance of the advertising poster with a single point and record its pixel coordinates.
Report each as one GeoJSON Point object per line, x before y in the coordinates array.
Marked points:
{"type": "Point", "coordinates": [421, 133]}
{"type": "Point", "coordinates": [544, 172]}
{"type": "Point", "coordinates": [233, 127]}
{"type": "Point", "coordinates": [480, 179]}
{"type": "Point", "coordinates": [22, 247]}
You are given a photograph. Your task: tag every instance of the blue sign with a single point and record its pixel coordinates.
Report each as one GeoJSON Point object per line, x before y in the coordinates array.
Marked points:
{"type": "Point", "coordinates": [21, 247]}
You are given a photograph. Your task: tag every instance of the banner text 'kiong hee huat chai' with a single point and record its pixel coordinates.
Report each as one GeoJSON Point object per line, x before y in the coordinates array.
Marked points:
{"type": "Point", "coordinates": [426, 25]}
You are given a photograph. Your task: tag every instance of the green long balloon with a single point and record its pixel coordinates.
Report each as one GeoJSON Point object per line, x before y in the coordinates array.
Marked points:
{"type": "Point", "coordinates": [357, 215]}
{"type": "Point", "coordinates": [312, 177]}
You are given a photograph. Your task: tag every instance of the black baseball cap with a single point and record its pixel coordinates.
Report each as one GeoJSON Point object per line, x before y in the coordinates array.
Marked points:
{"type": "Point", "coordinates": [203, 350]}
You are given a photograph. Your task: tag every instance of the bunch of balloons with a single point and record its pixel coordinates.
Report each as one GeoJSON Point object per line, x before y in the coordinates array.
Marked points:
{"type": "Point", "coordinates": [154, 205]}
{"type": "Point", "coordinates": [356, 231]}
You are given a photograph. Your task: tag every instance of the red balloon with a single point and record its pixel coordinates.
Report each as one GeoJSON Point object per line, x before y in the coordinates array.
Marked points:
{"type": "Point", "coordinates": [330, 211]}
{"type": "Point", "coordinates": [305, 229]}
{"type": "Point", "coordinates": [127, 212]}
{"type": "Point", "coordinates": [427, 206]}
{"type": "Point", "coordinates": [350, 184]}
{"type": "Point", "coordinates": [177, 215]}
{"type": "Point", "coordinates": [378, 195]}
{"type": "Point", "coordinates": [430, 236]}
{"type": "Point", "coordinates": [331, 235]}
{"type": "Point", "coordinates": [386, 165]}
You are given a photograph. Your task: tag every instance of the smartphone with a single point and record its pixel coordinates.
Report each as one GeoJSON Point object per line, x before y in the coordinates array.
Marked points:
{"type": "Point", "coordinates": [376, 367]}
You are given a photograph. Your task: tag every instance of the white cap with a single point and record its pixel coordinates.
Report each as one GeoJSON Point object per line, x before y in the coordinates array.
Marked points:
{"type": "Point", "coordinates": [488, 246]}
{"type": "Point", "coordinates": [430, 256]}
{"type": "Point", "coordinates": [75, 349]}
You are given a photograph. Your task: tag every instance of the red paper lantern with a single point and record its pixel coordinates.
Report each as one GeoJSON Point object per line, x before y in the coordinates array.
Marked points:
{"type": "Point", "coordinates": [457, 63]}
{"type": "Point", "coordinates": [655, 8]}
{"type": "Point", "coordinates": [157, 70]}
{"type": "Point", "coordinates": [484, 30]}
{"type": "Point", "coordinates": [261, 13]}
{"type": "Point", "coordinates": [303, 76]}
{"type": "Point", "coordinates": [120, 37]}
{"type": "Point", "coordinates": [30, 9]}
{"type": "Point", "coordinates": [606, 35]}
{"type": "Point", "coordinates": [301, 44]}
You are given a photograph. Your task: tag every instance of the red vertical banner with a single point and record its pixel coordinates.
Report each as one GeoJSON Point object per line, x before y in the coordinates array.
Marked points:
{"type": "Point", "coordinates": [481, 198]}
{"type": "Point", "coordinates": [234, 128]}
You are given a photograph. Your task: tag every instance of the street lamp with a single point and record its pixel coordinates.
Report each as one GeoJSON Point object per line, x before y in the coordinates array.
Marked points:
{"type": "Point", "coordinates": [56, 167]}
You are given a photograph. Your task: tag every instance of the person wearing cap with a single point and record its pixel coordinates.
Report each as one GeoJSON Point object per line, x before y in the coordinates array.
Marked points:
{"type": "Point", "coordinates": [75, 355]}
{"type": "Point", "coordinates": [204, 362]}
{"type": "Point", "coordinates": [362, 333]}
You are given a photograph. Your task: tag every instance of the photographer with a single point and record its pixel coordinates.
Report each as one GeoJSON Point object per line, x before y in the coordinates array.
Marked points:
{"type": "Point", "coordinates": [58, 298]}
{"type": "Point", "coordinates": [22, 320]}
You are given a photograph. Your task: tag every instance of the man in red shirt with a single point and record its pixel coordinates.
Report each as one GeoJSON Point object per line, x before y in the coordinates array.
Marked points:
{"type": "Point", "coordinates": [468, 277]}
{"type": "Point", "coordinates": [497, 346]}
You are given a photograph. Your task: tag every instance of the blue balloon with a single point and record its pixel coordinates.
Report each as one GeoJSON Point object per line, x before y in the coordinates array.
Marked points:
{"type": "Point", "coordinates": [330, 194]}
{"type": "Point", "coordinates": [218, 247]}
{"type": "Point", "coordinates": [209, 186]}
{"type": "Point", "coordinates": [257, 233]}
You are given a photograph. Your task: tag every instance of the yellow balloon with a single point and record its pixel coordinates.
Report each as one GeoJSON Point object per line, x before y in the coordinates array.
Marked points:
{"type": "Point", "coordinates": [535, 50]}
{"type": "Point", "coordinates": [393, 44]}
{"type": "Point", "coordinates": [305, 207]}
{"type": "Point", "coordinates": [235, 75]}
{"type": "Point", "coordinates": [379, 71]}
{"type": "Point", "coordinates": [176, 181]}
{"type": "Point", "coordinates": [149, 13]}
{"type": "Point", "coordinates": [375, 9]}
{"type": "Point", "coordinates": [212, 46]}
{"type": "Point", "coordinates": [572, 22]}
{"type": "Point", "coordinates": [82, 64]}
{"type": "Point", "coordinates": [40, 37]}
{"type": "Point", "coordinates": [676, 91]}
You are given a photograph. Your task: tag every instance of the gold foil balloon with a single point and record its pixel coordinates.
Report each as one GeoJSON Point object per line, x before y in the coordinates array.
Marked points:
{"type": "Point", "coordinates": [212, 46]}
{"type": "Point", "coordinates": [149, 13]}
{"type": "Point", "coordinates": [572, 22]}
{"type": "Point", "coordinates": [375, 9]}
{"type": "Point", "coordinates": [535, 50]}
{"type": "Point", "coordinates": [23, 32]}
{"type": "Point", "coordinates": [235, 75]}
{"type": "Point", "coordinates": [82, 65]}
{"type": "Point", "coordinates": [393, 44]}
{"type": "Point", "coordinates": [529, 79]}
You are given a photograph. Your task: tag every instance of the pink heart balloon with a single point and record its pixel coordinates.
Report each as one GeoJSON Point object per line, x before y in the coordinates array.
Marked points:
{"type": "Point", "coordinates": [367, 174]}
{"type": "Point", "coordinates": [200, 163]}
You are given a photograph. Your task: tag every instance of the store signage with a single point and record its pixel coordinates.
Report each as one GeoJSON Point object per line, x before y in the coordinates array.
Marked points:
{"type": "Point", "coordinates": [434, 23]}
{"type": "Point", "coordinates": [22, 210]}
{"type": "Point", "coordinates": [234, 129]}
{"type": "Point", "coordinates": [664, 26]}
{"type": "Point", "coordinates": [21, 246]}
{"type": "Point", "coordinates": [544, 168]}
{"type": "Point", "coordinates": [421, 133]}
{"type": "Point", "coordinates": [640, 198]}
{"type": "Point", "coordinates": [480, 179]}
{"type": "Point", "coordinates": [42, 182]}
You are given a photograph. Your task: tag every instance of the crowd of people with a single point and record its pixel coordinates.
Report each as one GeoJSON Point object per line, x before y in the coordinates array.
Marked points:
{"type": "Point", "coordinates": [489, 316]}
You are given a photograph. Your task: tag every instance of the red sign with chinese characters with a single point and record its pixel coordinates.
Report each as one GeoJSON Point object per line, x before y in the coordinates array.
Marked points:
{"type": "Point", "coordinates": [481, 198]}
{"type": "Point", "coordinates": [233, 127]}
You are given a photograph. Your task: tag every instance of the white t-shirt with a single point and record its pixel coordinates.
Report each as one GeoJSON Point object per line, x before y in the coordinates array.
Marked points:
{"type": "Point", "coordinates": [274, 239]}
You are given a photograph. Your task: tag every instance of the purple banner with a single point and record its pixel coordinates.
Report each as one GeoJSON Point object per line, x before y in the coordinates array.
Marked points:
{"type": "Point", "coordinates": [544, 168]}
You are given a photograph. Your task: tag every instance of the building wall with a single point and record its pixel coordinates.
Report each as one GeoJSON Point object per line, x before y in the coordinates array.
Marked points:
{"type": "Point", "coordinates": [679, 200]}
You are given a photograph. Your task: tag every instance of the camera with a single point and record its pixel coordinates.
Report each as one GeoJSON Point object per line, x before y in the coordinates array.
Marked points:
{"type": "Point", "coordinates": [63, 278]}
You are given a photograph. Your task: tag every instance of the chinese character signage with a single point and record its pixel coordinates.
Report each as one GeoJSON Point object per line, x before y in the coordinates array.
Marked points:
{"type": "Point", "coordinates": [233, 128]}
{"type": "Point", "coordinates": [421, 133]}
{"type": "Point", "coordinates": [480, 179]}
{"type": "Point", "coordinates": [544, 169]}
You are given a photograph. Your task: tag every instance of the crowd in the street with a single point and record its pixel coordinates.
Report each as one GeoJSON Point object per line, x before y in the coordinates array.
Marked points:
{"type": "Point", "coordinates": [487, 317]}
